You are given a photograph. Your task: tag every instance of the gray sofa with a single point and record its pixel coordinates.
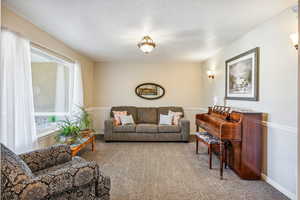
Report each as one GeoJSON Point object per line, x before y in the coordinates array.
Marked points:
{"type": "Point", "coordinates": [146, 127]}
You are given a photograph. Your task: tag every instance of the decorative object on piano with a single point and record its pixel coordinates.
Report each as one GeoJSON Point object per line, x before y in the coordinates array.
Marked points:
{"type": "Point", "coordinates": [150, 91]}
{"type": "Point", "coordinates": [211, 74]}
{"type": "Point", "coordinates": [241, 131]}
{"type": "Point", "coordinates": [221, 110]}
{"type": "Point", "coordinates": [242, 76]}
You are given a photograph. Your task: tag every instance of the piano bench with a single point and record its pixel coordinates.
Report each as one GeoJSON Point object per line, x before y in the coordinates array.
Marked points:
{"type": "Point", "coordinates": [209, 141]}
{"type": "Point", "coordinates": [207, 138]}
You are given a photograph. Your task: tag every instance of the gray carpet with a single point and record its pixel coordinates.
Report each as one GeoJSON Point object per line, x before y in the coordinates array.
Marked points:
{"type": "Point", "coordinates": [171, 171]}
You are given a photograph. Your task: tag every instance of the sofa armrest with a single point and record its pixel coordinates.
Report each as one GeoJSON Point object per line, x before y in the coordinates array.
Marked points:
{"type": "Point", "coordinates": [47, 157]}
{"type": "Point", "coordinates": [55, 182]}
{"type": "Point", "coordinates": [108, 129]}
{"type": "Point", "coordinates": [185, 129]}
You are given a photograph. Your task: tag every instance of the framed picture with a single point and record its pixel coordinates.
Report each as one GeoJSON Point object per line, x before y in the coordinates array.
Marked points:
{"type": "Point", "coordinates": [150, 91]}
{"type": "Point", "coordinates": [242, 73]}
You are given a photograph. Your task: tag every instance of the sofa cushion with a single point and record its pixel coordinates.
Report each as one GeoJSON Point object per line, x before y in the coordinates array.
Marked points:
{"type": "Point", "coordinates": [165, 119]}
{"type": "Point", "coordinates": [124, 128]}
{"type": "Point", "coordinates": [146, 128]}
{"type": "Point", "coordinates": [131, 110]}
{"type": "Point", "coordinates": [117, 116]}
{"type": "Point", "coordinates": [168, 129]}
{"type": "Point", "coordinates": [147, 115]}
{"type": "Point", "coordinates": [126, 119]}
{"type": "Point", "coordinates": [165, 110]}
{"type": "Point", "coordinates": [176, 117]}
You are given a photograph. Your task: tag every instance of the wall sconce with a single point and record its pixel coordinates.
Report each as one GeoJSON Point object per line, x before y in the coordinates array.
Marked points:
{"type": "Point", "coordinates": [211, 74]}
{"type": "Point", "coordinates": [294, 38]}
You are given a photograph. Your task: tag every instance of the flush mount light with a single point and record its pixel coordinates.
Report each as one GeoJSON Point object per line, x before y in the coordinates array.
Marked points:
{"type": "Point", "coordinates": [146, 44]}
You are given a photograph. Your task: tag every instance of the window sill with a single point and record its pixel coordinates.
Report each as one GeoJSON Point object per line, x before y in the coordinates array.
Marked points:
{"type": "Point", "coordinates": [44, 133]}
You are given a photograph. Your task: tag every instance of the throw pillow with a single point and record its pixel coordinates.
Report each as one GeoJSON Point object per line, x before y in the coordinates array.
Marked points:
{"type": "Point", "coordinates": [117, 115]}
{"type": "Point", "coordinates": [165, 119]}
{"type": "Point", "coordinates": [126, 119]}
{"type": "Point", "coordinates": [176, 116]}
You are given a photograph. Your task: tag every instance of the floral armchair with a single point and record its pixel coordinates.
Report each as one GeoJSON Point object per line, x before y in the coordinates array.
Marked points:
{"type": "Point", "coordinates": [51, 173]}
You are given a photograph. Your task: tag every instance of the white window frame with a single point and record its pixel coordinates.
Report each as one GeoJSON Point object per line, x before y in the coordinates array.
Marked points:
{"type": "Point", "coordinates": [70, 66]}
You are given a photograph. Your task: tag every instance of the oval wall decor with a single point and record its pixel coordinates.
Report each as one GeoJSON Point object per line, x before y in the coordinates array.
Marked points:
{"type": "Point", "coordinates": [150, 91]}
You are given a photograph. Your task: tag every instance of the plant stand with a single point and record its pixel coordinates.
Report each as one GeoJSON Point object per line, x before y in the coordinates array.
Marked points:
{"type": "Point", "coordinates": [90, 139]}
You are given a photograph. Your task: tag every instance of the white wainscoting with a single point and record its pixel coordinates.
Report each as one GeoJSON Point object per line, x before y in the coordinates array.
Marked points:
{"type": "Point", "coordinates": [279, 152]}
{"type": "Point", "coordinates": [280, 157]}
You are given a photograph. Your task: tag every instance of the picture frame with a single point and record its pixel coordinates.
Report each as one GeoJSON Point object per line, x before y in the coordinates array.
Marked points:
{"type": "Point", "coordinates": [242, 76]}
{"type": "Point", "coordinates": [150, 91]}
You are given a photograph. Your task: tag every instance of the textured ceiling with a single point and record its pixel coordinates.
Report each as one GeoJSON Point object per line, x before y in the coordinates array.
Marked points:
{"type": "Point", "coordinates": [184, 30]}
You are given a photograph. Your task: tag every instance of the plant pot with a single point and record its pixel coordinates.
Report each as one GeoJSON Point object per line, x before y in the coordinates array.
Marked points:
{"type": "Point", "coordinates": [67, 140]}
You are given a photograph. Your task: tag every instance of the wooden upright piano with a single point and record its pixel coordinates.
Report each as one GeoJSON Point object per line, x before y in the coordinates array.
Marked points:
{"type": "Point", "coordinates": [242, 131]}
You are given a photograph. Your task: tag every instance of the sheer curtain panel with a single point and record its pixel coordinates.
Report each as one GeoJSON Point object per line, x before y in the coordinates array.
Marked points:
{"type": "Point", "coordinates": [78, 88]}
{"type": "Point", "coordinates": [17, 125]}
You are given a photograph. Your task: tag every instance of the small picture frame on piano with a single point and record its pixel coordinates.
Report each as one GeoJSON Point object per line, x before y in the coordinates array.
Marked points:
{"type": "Point", "coordinates": [242, 73]}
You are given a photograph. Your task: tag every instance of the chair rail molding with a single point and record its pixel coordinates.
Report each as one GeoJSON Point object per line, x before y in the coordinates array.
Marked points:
{"type": "Point", "coordinates": [190, 110]}
{"type": "Point", "coordinates": [286, 129]}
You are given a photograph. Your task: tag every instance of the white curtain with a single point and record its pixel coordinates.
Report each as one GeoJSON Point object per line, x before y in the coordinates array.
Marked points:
{"type": "Point", "coordinates": [77, 89]}
{"type": "Point", "coordinates": [17, 125]}
{"type": "Point", "coordinates": [60, 96]}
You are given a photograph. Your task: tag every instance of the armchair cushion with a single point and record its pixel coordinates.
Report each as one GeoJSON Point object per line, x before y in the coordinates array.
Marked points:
{"type": "Point", "coordinates": [75, 160]}
{"type": "Point", "coordinates": [58, 181]}
{"type": "Point", "coordinates": [48, 157]}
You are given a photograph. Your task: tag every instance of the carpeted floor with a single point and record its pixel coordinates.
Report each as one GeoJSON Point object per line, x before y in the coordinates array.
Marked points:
{"type": "Point", "coordinates": [171, 171]}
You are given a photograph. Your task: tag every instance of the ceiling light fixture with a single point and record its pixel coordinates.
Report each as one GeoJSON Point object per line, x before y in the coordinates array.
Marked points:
{"type": "Point", "coordinates": [146, 44]}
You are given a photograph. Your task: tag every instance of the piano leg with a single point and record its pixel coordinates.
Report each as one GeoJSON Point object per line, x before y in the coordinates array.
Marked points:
{"type": "Point", "coordinates": [225, 156]}
{"type": "Point", "coordinates": [197, 144]}
{"type": "Point", "coordinates": [221, 159]}
{"type": "Point", "coordinates": [210, 155]}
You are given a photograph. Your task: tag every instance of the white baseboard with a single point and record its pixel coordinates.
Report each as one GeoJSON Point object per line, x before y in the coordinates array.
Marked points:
{"type": "Point", "coordinates": [280, 188]}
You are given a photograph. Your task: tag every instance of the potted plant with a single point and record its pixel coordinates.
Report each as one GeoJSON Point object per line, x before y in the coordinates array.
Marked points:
{"type": "Point", "coordinates": [85, 121]}
{"type": "Point", "coordinates": [69, 132]}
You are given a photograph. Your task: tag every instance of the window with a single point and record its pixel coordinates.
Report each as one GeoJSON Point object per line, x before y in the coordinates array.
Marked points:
{"type": "Point", "coordinates": [52, 84]}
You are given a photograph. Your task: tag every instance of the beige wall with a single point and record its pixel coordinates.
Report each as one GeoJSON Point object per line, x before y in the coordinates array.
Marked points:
{"type": "Point", "coordinates": [115, 83]}
{"type": "Point", "coordinates": [18, 24]}
{"type": "Point", "coordinates": [278, 93]}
